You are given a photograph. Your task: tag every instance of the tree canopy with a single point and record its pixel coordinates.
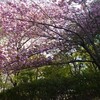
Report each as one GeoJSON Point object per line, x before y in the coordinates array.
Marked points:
{"type": "Point", "coordinates": [30, 30]}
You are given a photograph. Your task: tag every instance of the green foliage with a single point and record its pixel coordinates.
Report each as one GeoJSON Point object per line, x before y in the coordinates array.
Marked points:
{"type": "Point", "coordinates": [79, 87]}
{"type": "Point", "coordinates": [25, 76]}
{"type": "Point", "coordinates": [55, 72]}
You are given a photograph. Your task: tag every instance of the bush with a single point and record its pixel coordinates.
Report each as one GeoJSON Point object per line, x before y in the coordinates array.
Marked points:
{"type": "Point", "coordinates": [79, 87]}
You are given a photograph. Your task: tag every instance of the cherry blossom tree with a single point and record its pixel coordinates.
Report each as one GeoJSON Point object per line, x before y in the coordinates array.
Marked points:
{"type": "Point", "coordinates": [31, 28]}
